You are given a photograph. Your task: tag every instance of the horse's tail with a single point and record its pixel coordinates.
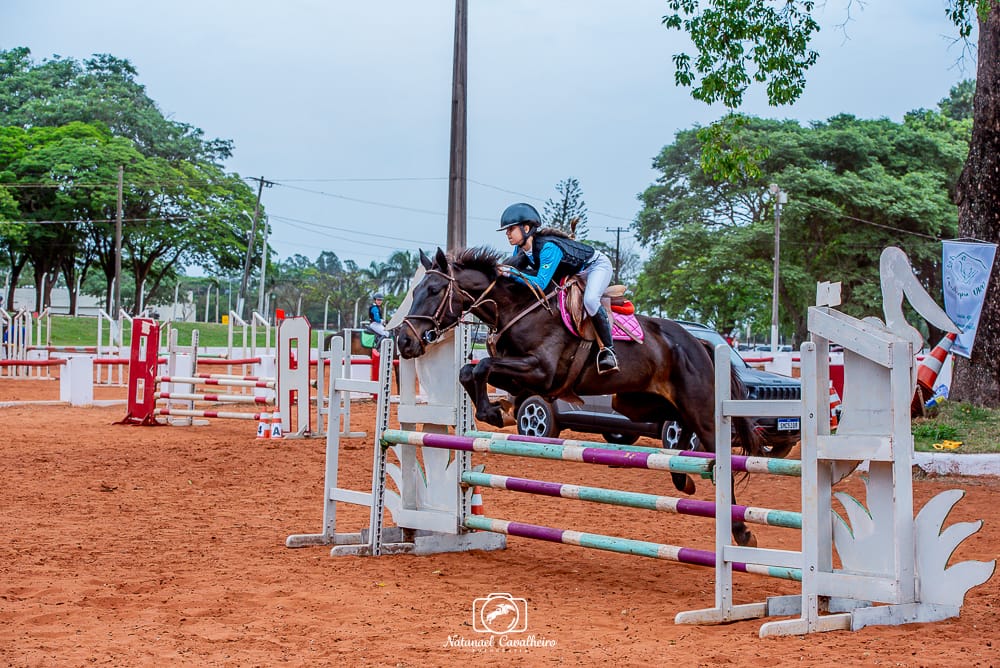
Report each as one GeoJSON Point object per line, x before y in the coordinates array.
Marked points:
{"type": "Point", "coordinates": [751, 442]}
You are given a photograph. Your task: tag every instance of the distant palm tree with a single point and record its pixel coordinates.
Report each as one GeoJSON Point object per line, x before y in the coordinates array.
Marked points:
{"type": "Point", "coordinates": [393, 276]}
{"type": "Point", "coordinates": [402, 265]}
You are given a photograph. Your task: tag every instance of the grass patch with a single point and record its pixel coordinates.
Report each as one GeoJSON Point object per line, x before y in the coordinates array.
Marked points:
{"type": "Point", "coordinates": [977, 428]}
{"type": "Point", "coordinates": [82, 331]}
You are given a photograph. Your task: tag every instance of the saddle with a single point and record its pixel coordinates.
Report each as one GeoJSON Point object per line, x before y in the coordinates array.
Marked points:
{"type": "Point", "coordinates": [624, 325]}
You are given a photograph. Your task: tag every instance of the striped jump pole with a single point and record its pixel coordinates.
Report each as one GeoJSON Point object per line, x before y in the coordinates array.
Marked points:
{"type": "Point", "coordinates": [33, 363]}
{"type": "Point", "coordinates": [222, 361]}
{"type": "Point", "coordinates": [611, 455]}
{"type": "Point", "coordinates": [635, 460]}
{"type": "Point", "coordinates": [614, 497]}
{"type": "Point", "coordinates": [768, 465]}
{"type": "Point", "coordinates": [218, 398]}
{"type": "Point", "coordinates": [229, 376]}
{"type": "Point", "coordinates": [222, 382]}
{"type": "Point", "coordinates": [640, 548]}
{"type": "Point", "coordinates": [184, 412]}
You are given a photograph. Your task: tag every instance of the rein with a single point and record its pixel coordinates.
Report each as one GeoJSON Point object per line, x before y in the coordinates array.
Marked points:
{"type": "Point", "coordinates": [542, 300]}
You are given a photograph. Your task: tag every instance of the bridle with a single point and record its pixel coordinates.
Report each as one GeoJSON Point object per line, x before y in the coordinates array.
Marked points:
{"type": "Point", "coordinates": [447, 307]}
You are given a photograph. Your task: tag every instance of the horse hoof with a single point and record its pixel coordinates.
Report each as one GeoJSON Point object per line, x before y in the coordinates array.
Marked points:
{"type": "Point", "coordinates": [689, 487]}
{"type": "Point", "coordinates": [749, 540]}
{"type": "Point", "coordinates": [494, 417]}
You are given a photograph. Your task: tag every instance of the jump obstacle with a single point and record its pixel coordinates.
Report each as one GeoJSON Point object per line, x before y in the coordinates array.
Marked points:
{"type": "Point", "coordinates": [894, 566]}
{"type": "Point", "coordinates": [288, 390]}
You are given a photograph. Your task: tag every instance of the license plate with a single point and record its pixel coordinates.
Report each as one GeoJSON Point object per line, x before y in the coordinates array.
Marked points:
{"type": "Point", "coordinates": [788, 424]}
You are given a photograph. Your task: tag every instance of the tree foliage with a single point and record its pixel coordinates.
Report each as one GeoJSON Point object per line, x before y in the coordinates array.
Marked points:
{"type": "Point", "coordinates": [741, 42]}
{"type": "Point", "coordinates": [568, 212]}
{"type": "Point", "coordinates": [65, 129]}
{"type": "Point", "coordinates": [855, 186]}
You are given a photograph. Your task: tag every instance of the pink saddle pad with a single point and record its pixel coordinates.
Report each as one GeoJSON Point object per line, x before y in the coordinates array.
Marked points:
{"type": "Point", "coordinates": [623, 326]}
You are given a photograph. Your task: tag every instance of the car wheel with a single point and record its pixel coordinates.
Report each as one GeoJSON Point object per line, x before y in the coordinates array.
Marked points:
{"type": "Point", "coordinates": [536, 417]}
{"type": "Point", "coordinates": [671, 434]}
{"type": "Point", "coordinates": [619, 438]}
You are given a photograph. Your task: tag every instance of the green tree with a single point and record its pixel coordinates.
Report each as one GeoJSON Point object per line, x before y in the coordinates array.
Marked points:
{"type": "Point", "coordinates": [68, 128]}
{"type": "Point", "coordinates": [856, 186]}
{"type": "Point", "coordinates": [568, 212]}
{"type": "Point", "coordinates": [400, 268]}
{"type": "Point", "coordinates": [626, 260]}
{"type": "Point", "coordinates": [104, 90]}
{"type": "Point", "coordinates": [742, 42]}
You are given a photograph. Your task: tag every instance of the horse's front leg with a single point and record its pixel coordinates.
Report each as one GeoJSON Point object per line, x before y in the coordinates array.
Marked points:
{"type": "Point", "coordinates": [501, 372]}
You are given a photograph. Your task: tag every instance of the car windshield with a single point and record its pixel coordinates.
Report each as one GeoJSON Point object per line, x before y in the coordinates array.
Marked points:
{"type": "Point", "coordinates": [715, 339]}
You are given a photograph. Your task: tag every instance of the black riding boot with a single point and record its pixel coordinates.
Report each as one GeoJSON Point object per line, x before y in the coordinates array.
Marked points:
{"type": "Point", "coordinates": [606, 359]}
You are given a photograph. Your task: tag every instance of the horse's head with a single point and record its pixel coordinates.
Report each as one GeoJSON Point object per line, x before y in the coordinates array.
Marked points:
{"type": "Point", "coordinates": [450, 287]}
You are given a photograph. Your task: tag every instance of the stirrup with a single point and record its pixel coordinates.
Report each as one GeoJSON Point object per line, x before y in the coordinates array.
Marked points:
{"type": "Point", "coordinates": [607, 361]}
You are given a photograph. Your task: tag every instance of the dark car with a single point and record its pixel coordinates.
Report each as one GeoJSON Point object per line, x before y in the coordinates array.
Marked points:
{"type": "Point", "coordinates": [537, 416]}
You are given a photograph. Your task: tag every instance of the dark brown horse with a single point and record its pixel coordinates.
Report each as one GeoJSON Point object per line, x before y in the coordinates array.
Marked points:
{"type": "Point", "coordinates": [669, 376]}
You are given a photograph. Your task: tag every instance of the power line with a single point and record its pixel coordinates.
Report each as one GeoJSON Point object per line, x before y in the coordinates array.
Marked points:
{"type": "Point", "coordinates": [97, 220]}
{"type": "Point", "coordinates": [347, 179]}
{"type": "Point", "coordinates": [312, 227]}
{"type": "Point", "coordinates": [539, 199]}
{"type": "Point", "coordinates": [372, 202]}
{"type": "Point", "coordinates": [839, 214]}
{"type": "Point", "coordinates": [286, 184]}
{"type": "Point", "coordinates": [618, 243]}
{"type": "Point", "coordinates": [344, 229]}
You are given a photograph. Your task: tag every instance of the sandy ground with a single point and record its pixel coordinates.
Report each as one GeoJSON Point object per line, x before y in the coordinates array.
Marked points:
{"type": "Point", "coordinates": [131, 546]}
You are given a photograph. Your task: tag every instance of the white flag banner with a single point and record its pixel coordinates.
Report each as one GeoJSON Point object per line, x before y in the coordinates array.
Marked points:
{"type": "Point", "coordinates": [966, 268]}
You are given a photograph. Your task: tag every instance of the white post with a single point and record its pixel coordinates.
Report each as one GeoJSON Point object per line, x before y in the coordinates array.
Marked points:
{"type": "Point", "coordinates": [76, 381]}
{"type": "Point", "coordinates": [779, 197]}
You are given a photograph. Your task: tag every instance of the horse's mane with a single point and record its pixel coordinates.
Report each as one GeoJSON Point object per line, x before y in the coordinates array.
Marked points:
{"type": "Point", "coordinates": [481, 258]}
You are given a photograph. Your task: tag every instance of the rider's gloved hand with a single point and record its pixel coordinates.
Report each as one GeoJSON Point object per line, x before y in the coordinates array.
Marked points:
{"type": "Point", "coordinates": [507, 271]}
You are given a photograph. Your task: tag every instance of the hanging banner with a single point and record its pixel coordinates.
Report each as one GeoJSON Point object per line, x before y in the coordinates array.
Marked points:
{"type": "Point", "coordinates": [966, 275]}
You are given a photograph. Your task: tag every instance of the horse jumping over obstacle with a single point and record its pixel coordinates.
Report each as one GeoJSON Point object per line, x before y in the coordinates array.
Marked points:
{"type": "Point", "coordinates": [670, 375]}
{"type": "Point", "coordinates": [892, 566]}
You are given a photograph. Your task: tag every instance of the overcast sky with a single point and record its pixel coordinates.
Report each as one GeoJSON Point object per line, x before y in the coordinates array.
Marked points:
{"type": "Point", "coordinates": [346, 105]}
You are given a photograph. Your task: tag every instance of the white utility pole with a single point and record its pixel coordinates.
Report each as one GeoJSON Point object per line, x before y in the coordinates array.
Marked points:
{"type": "Point", "coordinates": [779, 197]}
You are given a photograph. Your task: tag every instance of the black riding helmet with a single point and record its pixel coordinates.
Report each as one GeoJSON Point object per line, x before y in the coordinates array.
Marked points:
{"type": "Point", "coordinates": [519, 214]}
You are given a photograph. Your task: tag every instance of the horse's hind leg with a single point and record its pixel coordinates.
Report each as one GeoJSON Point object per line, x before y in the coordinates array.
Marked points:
{"type": "Point", "coordinates": [741, 533]}
{"type": "Point", "coordinates": [682, 481]}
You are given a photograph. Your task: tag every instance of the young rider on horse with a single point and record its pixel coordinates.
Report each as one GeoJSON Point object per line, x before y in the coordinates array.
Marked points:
{"type": "Point", "coordinates": [376, 317]}
{"type": "Point", "coordinates": [546, 255]}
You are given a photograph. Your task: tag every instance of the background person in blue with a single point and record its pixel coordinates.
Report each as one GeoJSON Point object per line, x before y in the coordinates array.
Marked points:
{"type": "Point", "coordinates": [376, 317]}
{"type": "Point", "coordinates": [546, 255]}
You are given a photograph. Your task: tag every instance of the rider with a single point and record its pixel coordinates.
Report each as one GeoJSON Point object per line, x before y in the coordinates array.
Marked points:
{"type": "Point", "coordinates": [375, 315]}
{"type": "Point", "coordinates": [544, 255]}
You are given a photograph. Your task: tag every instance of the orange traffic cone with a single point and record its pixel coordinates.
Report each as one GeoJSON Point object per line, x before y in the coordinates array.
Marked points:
{"type": "Point", "coordinates": [263, 426]}
{"type": "Point", "coordinates": [929, 369]}
{"type": "Point", "coordinates": [276, 425]}
{"type": "Point", "coordinates": [834, 406]}
{"type": "Point", "coordinates": [477, 501]}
